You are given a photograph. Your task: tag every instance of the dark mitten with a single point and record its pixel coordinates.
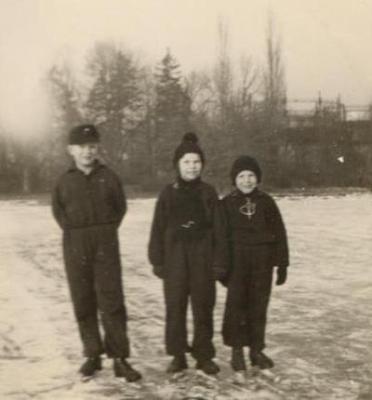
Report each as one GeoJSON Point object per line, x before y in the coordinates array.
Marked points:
{"type": "Point", "coordinates": [220, 275]}
{"type": "Point", "coordinates": [281, 275]}
{"type": "Point", "coordinates": [158, 270]}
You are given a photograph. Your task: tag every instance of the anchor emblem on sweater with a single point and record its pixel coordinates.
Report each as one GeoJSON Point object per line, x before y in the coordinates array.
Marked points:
{"type": "Point", "coordinates": [248, 209]}
{"type": "Point", "coordinates": [188, 224]}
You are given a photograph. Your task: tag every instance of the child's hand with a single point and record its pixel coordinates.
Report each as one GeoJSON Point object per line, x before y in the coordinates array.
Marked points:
{"type": "Point", "coordinates": [281, 275]}
{"type": "Point", "coordinates": [158, 271]}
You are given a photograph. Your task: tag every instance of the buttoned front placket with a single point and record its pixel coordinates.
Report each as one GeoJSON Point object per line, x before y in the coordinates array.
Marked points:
{"type": "Point", "coordinates": [89, 188]}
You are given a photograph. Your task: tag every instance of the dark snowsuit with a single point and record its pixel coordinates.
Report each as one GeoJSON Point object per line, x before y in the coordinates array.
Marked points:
{"type": "Point", "coordinates": [256, 242]}
{"type": "Point", "coordinates": [89, 209]}
{"type": "Point", "coordinates": [181, 249]}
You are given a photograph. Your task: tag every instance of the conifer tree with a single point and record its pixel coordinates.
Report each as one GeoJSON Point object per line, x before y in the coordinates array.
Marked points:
{"type": "Point", "coordinates": [172, 113]}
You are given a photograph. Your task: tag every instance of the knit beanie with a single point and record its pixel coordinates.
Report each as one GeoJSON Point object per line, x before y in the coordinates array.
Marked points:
{"type": "Point", "coordinates": [82, 134]}
{"type": "Point", "coordinates": [244, 163]}
{"type": "Point", "coordinates": [189, 144]}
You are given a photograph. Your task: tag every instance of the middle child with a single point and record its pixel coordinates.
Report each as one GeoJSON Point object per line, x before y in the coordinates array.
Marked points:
{"type": "Point", "coordinates": [181, 252]}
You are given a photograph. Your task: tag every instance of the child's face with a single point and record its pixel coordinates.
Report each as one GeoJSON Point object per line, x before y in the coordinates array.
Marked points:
{"type": "Point", "coordinates": [190, 166]}
{"type": "Point", "coordinates": [246, 181]}
{"type": "Point", "coordinates": [84, 155]}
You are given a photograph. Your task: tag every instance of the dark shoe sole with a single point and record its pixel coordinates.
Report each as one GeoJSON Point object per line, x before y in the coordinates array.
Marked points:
{"type": "Point", "coordinates": [210, 371]}
{"type": "Point", "coordinates": [129, 377]}
{"type": "Point", "coordinates": [178, 364]}
{"type": "Point", "coordinates": [264, 363]}
{"type": "Point", "coordinates": [85, 375]}
{"type": "Point", "coordinates": [265, 366]}
{"type": "Point", "coordinates": [174, 370]}
{"type": "Point", "coordinates": [127, 372]}
{"type": "Point", "coordinates": [238, 368]}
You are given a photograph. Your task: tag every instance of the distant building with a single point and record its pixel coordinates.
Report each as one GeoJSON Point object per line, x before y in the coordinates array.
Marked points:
{"type": "Point", "coordinates": [358, 113]}
{"type": "Point", "coordinates": [301, 113]}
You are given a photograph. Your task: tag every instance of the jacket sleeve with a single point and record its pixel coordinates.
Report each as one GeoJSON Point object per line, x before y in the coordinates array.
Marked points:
{"type": "Point", "coordinates": [280, 255]}
{"type": "Point", "coordinates": [221, 245]}
{"type": "Point", "coordinates": [57, 208]}
{"type": "Point", "coordinates": [156, 248]}
{"type": "Point", "coordinates": [120, 200]}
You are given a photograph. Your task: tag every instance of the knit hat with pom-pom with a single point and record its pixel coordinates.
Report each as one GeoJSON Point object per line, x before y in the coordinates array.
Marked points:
{"type": "Point", "coordinates": [189, 144]}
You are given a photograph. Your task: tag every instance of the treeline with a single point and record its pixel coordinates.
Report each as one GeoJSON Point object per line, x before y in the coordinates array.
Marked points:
{"type": "Point", "coordinates": [142, 113]}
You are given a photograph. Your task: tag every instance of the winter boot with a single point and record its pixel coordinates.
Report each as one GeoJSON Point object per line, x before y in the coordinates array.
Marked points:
{"type": "Point", "coordinates": [178, 364]}
{"type": "Point", "coordinates": [237, 359]}
{"type": "Point", "coordinates": [258, 358]}
{"type": "Point", "coordinates": [123, 369]}
{"type": "Point", "coordinates": [90, 366]}
{"type": "Point", "coordinates": [209, 367]}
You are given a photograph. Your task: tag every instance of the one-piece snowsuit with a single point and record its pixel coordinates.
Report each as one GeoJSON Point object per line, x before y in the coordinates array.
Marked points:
{"type": "Point", "coordinates": [181, 248]}
{"type": "Point", "coordinates": [257, 242]}
{"type": "Point", "coordinates": [89, 209]}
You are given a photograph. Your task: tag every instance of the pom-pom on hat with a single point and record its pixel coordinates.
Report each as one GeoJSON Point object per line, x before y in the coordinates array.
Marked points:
{"type": "Point", "coordinates": [244, 163]}
{"type": "Point", "coordinates": [189, 144]}
{"type": "Point", "coordinates": [82, 134]}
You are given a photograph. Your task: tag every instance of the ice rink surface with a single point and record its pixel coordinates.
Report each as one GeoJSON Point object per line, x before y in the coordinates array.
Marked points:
{"type": "Point", "coordinates": [319, 328]}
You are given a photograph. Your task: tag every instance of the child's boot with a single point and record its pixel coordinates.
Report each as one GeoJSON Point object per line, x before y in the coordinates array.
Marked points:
{"type": "Point", "coordinates": [258, 358]}
{"type": "Point", "coordinates": [209, 367]}
{"type": "Point", "coordinates": [237, 359]}
{"type": "Point", "coordinates": [90, 366]}
{"type": "Point", "coordinates": [178, 364]}
{"type": "Point", "coordinates": [123, 369]}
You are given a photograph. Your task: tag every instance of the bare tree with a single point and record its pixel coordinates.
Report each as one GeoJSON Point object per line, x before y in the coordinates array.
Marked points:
{"type": "Point", "coordinates": [247, 85]}
{"type": "Point", "coordinates": [114, 100]}
{"type": "Point", "coordinates": [199, 89]}
{"type": "Point", "coordinates": [65, 104]}
{"type": "Point", "coordinates": [222, 74]}
{"type": "Point", "coordinates": [274, 78]}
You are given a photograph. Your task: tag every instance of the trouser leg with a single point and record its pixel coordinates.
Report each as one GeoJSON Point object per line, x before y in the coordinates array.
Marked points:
{"type": "Point", "coordinates": [260, 283]}
{"type": "Point", "coordinates": [203, 294]}
{"type": "Point", "coordinates": [110, 296]}
{"type": "Point", "coordinates": [80, 277]}
{"type": "Point", "coordinates": [176, 292]}
{"type": "Point", "coordinates": [235, 324]}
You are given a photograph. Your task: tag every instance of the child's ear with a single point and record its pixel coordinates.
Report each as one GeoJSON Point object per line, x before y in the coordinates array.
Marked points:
{"type": "Point", "coordinates": [70, 149]}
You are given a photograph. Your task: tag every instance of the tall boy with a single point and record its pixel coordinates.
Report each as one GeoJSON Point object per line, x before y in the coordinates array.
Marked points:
{"type": "Point", "coordinates": [89, 204]}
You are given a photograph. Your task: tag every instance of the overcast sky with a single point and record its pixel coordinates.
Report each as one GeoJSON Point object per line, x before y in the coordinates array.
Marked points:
{"type": "Point", "coordinates": [327, 44]}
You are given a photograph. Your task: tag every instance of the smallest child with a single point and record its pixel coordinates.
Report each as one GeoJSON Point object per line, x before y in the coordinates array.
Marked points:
{"type": "Point", "coordinates": [256, 244]}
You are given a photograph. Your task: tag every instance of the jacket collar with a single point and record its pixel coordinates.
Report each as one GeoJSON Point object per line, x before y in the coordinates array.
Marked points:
{"type": "Point", "coordinates": [180, 183]}
{"type": "Point", "coordinates": [238, 194]}
{"type": "Point", "coordinates": [96, 167]}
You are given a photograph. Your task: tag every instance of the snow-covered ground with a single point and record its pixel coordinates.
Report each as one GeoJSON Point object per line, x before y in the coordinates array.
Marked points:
{"type": "Point", "coordinates": [319, 330]}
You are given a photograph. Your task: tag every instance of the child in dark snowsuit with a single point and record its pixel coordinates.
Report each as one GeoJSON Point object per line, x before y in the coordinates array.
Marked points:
{"type": "Point", "coordinates": [89, 204]}
{"type": "Point", "coordinates": [256, 243]}
{"type": "Point", "coordinates": [181, 252]}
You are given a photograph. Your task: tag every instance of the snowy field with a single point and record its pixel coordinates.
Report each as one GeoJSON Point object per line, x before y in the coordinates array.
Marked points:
{"type": "Point", "coordinates": [319, 329]}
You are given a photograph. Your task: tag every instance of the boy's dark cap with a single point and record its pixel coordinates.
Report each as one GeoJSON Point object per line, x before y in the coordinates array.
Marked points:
{"type": "Point", "coordinates": [189, 144]}
{"type": "Point", "coordinates": [244, 163]}
{"type": "Point", "coordinates": [82, 134]}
